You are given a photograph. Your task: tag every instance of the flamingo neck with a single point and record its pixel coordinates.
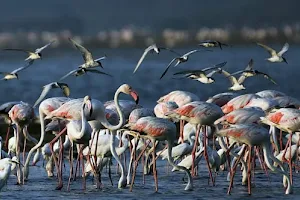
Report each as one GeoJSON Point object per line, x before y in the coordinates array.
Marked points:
{"type": "Point", "coordinates": [38, 145]}
{"type": "Point", "coordinates": [83, 123]}
{"type": "Point", "coordinates": [106, 124]}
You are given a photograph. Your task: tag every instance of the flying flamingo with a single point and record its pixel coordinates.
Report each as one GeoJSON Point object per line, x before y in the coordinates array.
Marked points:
{"type": "Point", "coordinates": [159, 129]}
{"type": "Point", "coordinates": [254, 135]}
{"type": "Point", "coordinates": [288, 120]}
{"type": "Point", "coordinates": [200, 114]}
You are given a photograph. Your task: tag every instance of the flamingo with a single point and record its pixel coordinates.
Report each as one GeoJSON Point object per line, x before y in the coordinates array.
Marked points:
{"type": "Point", "coordinates": [179, 97]}
{"type": "Point", "coordinates": [270, 94]}
{"type": "Point", "coordinates": [254, 135]}
{"type": "Point", "coordinates": [287, 102]}
{"type": "Point", "coordinates": [200, 114]}
{"type": "Point", "coordinates": [127, 106]}
{"type": "Point", "coordinates": [4, 109]}
{"type": "Point", "coordinates": [222, 98]}
{"type": "Point", "coordinates": [3, 154]}
{"type": "Point", "coordinates": [288, 120]}
{"type": "Point", "coordinates": [164, 107]}
{"type": "Point", "coordinates": [70, 110]}
{"type": "Point", "coordinates": [242, 116]}
{"type": "Point", "coordinates": [159, 129]}
{"type": "Point", "coordinates": [21, 115]}
{"type": "Point", "coordinates": [46, 107]}
{"type": "Point", "coordinates": [238, 102]}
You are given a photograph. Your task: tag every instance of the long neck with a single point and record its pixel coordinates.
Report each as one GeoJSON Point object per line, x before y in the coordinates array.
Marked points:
{"type": "Point", "coordinates": [38, 145]}
{"type": "Point", "coordinates": [122, 149]}
{"type": "Point", "coordinates": [189, 185]}
{"type": "Point", "coordinates": [104, 121]}
{"type": "Point", "coordinates": [0, 150]}
{"type": "Point", "coordinates": [83, 123]}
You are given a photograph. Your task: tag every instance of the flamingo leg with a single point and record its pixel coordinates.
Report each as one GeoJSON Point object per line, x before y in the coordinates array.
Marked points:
{"type": "Point", "coordinates": [19, 174]}
{"type": "Point", "coordinates": [24, 149]}
{"type": "Point", "coordinates": [154, 167]}
{"type": "Point", "coordinates": [82, 163]}
{"type": "Point", "coordinates": [7, 136]}
{"type": "Point", "coordinates": [249, 170]}
{"type": "Point", "coordinates": [135, 166]}
{"type": "Point", "coordinates": [71, 167]}
{"type": "Point", "coordinates": [206, 156]}
{"type": "Point", "coordinates": [280, 140]}
{"type": "Point", "coordinates": [194, 150]}
{"type": "Point", "coordinates": [262, 164]}
{"type": "Point", "coordinates": [60, 184]}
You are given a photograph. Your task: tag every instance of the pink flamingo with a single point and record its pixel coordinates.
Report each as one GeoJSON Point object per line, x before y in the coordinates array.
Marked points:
{"type": "Point", "coordinates": [127, 106]}
{"type": "Point", "coordinates": [254, 135]}
{"type": "Point", "coordinates": [45, 108]}
{"type": "Point", "coordinates": [288, 120]}
{"type": "Point", "coordinates": [222, 98]}
{"type": "Point", "coordinates": [159, 129]}
{"type": "Point", "coordinates": [200, 114]}
{"type": "Point", "coordinates": [287, 102]}
{"type": "Point", "coordinates": [21, 115]}
{"type": "Point", "coordinates": [242, 116]}
{"type": "Point", "coordinates": [70, 111]}
{"type": "Point", "coordinates": [179, 97]}
{"type": "Point", "coordinates": [238, 102]}
{"type": "Point", "coordinates": [164, 107]}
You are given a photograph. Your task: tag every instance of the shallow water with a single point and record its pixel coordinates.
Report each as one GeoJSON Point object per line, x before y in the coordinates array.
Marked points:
{"type": "Point", "coordinates": [171, 186]}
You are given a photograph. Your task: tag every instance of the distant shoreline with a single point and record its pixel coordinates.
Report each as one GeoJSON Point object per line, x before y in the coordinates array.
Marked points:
{"type": "Point", "coordinates": [139, 37]}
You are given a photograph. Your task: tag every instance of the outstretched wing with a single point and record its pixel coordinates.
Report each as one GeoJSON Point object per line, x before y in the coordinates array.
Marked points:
{"type": "Point", "coordinates": [231, 78]}
{"type": "Point", "coordinates": [247, 70]}
{"type": "Point", "coordinates": [21, 68]}
{"type": "Point", "coordinates": [102, 58]}
{"type": "Point", "coordinates": [97, 72]}
{"type": "Point", "coordinates": [23, 50]}
{"type": "Point", "coordinates": [267, 77]}
{"type": "Point", "coordinates": [39, 50]}
{"type": "Point", "coordinates": [65, 88]}
{"type": "Point", "coordinates": [68, 74]}
{"type": "Point", "coordinates": [143, 56]}
{"type": "Point", "coordinates": [167, 68]}
{"type": "Point", "coordinates": [269, 49]}
{"type": "Point", "coordinates": [190, 72]}
{"type": "Point", "coordinates": [219, 70]}
{"type": "Point", "coordinates": [45, 91]}
{"type": "Point", "coordinates": [190, 52]}
{"type": "Point", "coordinates": [284, 49]}
{"type": "Point", "coordinates": [87, 56]}
{"type": "Point", "coordinates": [220, 65]}
{"type": "Point", "coordinates": [171, 50]}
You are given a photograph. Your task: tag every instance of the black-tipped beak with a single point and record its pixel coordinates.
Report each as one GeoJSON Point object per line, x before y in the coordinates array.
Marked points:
{"type": "Point", "coordinates": [135, 96]}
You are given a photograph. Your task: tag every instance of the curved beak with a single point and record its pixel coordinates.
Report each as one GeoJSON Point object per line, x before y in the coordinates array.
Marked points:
{"type": "Point", "coordinates": [135, 96]}
{"type": "Point", "coordinates": [90, 108]}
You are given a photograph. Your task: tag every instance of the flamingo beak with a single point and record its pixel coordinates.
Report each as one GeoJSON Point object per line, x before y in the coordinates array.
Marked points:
{"type": "Point", "coordinates": [90, 108]}
{"type": "Point", "coordinates": [135, 96]}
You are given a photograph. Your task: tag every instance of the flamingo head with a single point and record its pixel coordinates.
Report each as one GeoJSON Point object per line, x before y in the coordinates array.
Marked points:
{"type": "Point", "coordinates": [125, 88]}
{"type": "Point", "coordinates": [87, 101]}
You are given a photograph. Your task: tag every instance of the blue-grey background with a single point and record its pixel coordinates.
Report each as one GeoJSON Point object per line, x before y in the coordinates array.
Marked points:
{"type": "Point", "coordinates": [85, 19]}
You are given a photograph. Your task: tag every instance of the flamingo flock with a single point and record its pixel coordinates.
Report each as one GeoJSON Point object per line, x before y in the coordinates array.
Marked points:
{"type": "Point", "coordinates": [231, 132]}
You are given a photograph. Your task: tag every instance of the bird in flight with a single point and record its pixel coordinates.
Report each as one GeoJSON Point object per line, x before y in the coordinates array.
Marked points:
{"type": "Point", "coordinates": [201, 75]}
{"type": "Point", "coordinates": [46, 88]}
{"type": "Point", "coordinates": [276, 57]}
{"type": "Point", "coordinates": [32, 56]}
{"type": "Point", "coordinates": [89, 61]}
{"type": "Point", "coordinates": [181, 59]}
{"type": "Point", "coordinates": [151, 49]}
{"type": "Point", "coordinates": [81, 71]}
{"type": "Point", "coordinates": [14, 73]}
{"type": "Point", "coordinates": [250, 73]}
{"type": "Point", "coordinates": [212, 43]}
